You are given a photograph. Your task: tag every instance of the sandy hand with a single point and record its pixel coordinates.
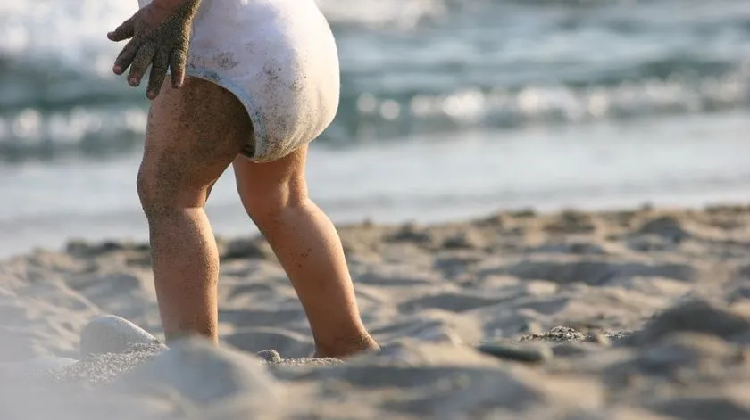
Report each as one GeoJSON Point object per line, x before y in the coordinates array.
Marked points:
{"type": "Point", "coordinates": [160, 35]}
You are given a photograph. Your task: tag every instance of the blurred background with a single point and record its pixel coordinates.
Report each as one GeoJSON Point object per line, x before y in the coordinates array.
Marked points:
{"type": "Point", "coordinates": [449, 109]}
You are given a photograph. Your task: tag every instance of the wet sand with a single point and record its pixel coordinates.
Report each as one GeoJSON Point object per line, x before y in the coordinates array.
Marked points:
{"type": "Point", "coordinates": [633, 314]}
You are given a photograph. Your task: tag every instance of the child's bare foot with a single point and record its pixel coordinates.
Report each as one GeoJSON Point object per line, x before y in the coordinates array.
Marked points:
{"type": "Point", "coordinates": [347, 348]}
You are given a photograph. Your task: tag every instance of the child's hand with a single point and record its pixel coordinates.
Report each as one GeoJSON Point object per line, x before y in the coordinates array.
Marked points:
{"type": "Point", "coordinates": [160, 34]}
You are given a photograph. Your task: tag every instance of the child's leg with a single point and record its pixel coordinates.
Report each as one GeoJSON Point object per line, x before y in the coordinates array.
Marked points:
{"type": "Point", "coordinates": [194, 133]}
{"type": "Point", "coordinates": [307, 245]}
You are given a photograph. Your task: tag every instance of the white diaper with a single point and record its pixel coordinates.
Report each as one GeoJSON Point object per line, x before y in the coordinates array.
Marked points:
{"type": "Point", "coordinates": [279, 58]}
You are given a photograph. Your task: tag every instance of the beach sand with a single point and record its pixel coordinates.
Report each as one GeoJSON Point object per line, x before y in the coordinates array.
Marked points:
{"type": "Point", "coordinates": [621, 315]}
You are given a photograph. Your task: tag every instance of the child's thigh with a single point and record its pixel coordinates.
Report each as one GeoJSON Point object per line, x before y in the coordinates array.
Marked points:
{"type": "Point", "coordinates": [194, 132]}
{"type": "Point", "coordinates": [269, 185]}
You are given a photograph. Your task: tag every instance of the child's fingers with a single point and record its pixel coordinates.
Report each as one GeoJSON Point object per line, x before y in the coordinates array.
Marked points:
{"type": "Point", "coordinates": [177, 62]}
{"type": "Point", "coordinates": [126, 57]}
{"type": "Point", "coordinates": [124, 31]}
{"type": "Point", "coordinates": [143, 58]}
{"type": "Point", "coordinates": [158, 74]}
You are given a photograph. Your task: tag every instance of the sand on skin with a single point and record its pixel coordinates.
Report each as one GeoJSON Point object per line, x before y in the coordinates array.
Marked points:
{"type": "Point", "coordinates": [635, 314]}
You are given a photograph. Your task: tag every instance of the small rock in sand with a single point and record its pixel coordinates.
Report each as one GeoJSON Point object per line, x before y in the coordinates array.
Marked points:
{"type": "Point", "coordinates": [271, 356]}
{"type": "Point", "coordinates": [557, 334]}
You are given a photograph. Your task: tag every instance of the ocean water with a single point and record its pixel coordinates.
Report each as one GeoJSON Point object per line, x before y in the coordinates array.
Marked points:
{"type": "Point", "coordinates": [449, 108]}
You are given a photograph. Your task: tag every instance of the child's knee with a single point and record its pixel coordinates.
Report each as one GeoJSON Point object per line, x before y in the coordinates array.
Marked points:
{"type": "Point", "coordinates": [160, 190]}
{"type": "Point", "coordinates": [266, 203]}
{"type": "Point", "coordinates": [269, 209]}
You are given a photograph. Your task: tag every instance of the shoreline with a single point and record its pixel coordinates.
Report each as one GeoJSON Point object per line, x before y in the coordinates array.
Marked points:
{"type": "Point", "coordinates": [429, 180]}
{"type": "Point", "coordinates": [227, 222]}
